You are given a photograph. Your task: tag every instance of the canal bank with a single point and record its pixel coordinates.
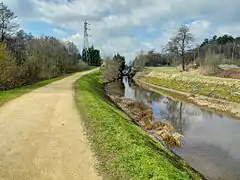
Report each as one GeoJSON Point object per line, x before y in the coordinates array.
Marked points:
{"type": "Point", "coordinates": [211, 140]}
{"type": "Point", "coordinates": [123, 150]}
{"type": "Point", "coordinates": [217, 94]}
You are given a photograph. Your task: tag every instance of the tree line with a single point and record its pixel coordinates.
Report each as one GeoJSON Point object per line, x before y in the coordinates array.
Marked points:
{"type": "Point", "coordinates": [91, 56]}
{"type": "Point", "coordinates": [25, 59]}
{"type": "Point", "coordinates": [175, 51]}
{"type": "Point", "coordinates": [180, 51]}
{"type": "Point", "coordinates": [226, 45]}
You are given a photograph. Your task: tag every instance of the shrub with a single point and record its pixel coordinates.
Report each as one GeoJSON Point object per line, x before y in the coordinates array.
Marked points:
{"type": "Point", "coordinates": [80, 66]}
{"type": "Point", "coordinates": [210, 63]}
{"type": "Point", "coordinates": [112, 69]}
{"type": "Point", "coordinates": [8, 68]}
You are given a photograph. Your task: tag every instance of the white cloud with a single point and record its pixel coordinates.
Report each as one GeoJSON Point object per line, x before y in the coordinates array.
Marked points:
{"type": "Point", "coordinates": [59, 31]}
{"type": "Point", "coordinates": [114, 23]}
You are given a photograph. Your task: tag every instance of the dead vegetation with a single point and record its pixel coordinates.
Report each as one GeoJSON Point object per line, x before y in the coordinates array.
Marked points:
{"type": "Point", "coordinates": [229, 73]}
{"type": "Point", "coordinates": [143, 116]}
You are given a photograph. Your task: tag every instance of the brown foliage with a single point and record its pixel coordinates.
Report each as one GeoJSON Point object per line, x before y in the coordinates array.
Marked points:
{"type": "Point", "coordinates": [143, 115]}
{"type": "Point", "coordinates": [171, 140]}
{"type": "Point", "coordinates": [229, 73]}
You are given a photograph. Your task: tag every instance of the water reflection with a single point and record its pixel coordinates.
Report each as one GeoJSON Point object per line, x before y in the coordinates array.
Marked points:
{"type": "Point", "coordinates": [211, 141]}
{"type": "Point", "coordinates": [116, 88]}
{"type": "Point", "coordinates": [164, 108]}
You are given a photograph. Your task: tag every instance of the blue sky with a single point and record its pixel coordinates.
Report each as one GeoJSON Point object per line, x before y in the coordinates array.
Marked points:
{"type": "Point", "coordinates": [42, 28]}
{"type": "Point", "coordinates": [125, 26]}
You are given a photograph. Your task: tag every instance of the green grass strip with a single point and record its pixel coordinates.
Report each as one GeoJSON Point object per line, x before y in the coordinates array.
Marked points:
{"type": "Point", "coordinates": [124, 151]}
{"type": "Point", "coordinates": [210, 86]}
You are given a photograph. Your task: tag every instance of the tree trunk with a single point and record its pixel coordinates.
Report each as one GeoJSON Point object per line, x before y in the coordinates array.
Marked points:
{"type": "Point", "coordinates": [2, 37]}
{"type": "Point", "coordinates": [194, 57]}
{"type": "Point", "coordinates": [180, 119]}
{"type": "Point", "coordinates": [233, 51]}
{"type": "Point", "coordinates": [183, 63]}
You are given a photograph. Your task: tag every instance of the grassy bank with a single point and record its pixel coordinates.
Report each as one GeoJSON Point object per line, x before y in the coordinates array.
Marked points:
{"type": "Point", "coordinates": [215, 87]}
{"type": "Point", "coordinates": [124, 151]}
{"type": "Point", "coordinates": [14, 93]}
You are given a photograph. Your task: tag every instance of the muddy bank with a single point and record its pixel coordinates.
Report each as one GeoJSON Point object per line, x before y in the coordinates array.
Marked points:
{"type": "Point", "coordinates": [142, 115]}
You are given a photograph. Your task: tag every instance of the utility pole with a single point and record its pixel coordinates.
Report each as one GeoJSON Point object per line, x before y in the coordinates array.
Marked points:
{"type": "Point", "coordinates": [85, 40]}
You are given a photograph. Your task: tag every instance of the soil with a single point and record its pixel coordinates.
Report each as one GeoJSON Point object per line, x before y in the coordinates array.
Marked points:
{"type": "Point", "coordinates": [229, 73]}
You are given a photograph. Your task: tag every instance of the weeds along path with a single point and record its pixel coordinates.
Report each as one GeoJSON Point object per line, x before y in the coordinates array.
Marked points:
{"type": "Point", "coordinates": [42, 136]}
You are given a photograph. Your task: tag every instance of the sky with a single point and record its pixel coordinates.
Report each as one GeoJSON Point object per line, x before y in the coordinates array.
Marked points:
{"type": "Point", "coordinates": [127, 26]}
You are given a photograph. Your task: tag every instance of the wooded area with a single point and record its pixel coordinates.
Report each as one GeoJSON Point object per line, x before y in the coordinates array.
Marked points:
{"type": "Point", "coordinates": [180, 51]}
{"type": "Point", "coordinates": [25, 59]}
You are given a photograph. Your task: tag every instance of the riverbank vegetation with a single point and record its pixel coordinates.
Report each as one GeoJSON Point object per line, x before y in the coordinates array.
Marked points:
{"type": "Point", "coordinates": [190, 82]}
{"type": "Point", "coordinates": [216, 56]}
{"type": "Point", "coordinates": [113, 68]}
{"type": "Point", "coordinates": [124, 150]}
{"type": "Point", "coordinates": [210, 69]}
{"type": "Point", "coordinates": [142, 115]}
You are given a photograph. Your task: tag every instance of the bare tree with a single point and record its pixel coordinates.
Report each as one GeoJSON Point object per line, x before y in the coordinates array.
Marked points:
{"type": "Point", "coordinates": [112, 68]}
{"type": "Point", "coordinates": [180, 43]}
{"type": "Point", "coordinates": [8, 24]}
{"type": "Point", "coordinates": [172, 49]}
{"type": "Point", "coordinates": [139, 62]}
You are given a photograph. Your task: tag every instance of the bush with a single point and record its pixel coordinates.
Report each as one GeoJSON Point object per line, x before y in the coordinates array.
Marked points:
{"type": "Point", "coordinates": [112, 69]}
{"type": "Point", "coordinates": [36, 59]}
{"type": "Point", "coordinates": [80, 66]}
{"type": "Point", "coordinates": [138, 64]}
{"type": "Point", "coordinates": [8, 68]}
{"type": "Point", "coordinates": [210, 63]}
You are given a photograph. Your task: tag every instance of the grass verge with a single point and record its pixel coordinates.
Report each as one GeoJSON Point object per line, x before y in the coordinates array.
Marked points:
{"type": "Point", "coordinates": [124, 150]}
{"type": "Point", "coordinates": [14, 93]}
{"type": "Point", "coordinates": [215, 87]}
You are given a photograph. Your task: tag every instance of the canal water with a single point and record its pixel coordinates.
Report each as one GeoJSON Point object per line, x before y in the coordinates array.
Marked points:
{"type": "Point", "coordinates": [211, 143]}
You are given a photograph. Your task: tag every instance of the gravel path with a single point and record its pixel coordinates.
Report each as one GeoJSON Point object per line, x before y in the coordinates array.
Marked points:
{"type": "Point", "coordinates": [42, 136]}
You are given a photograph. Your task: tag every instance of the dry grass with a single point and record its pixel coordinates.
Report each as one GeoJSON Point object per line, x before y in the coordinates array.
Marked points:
{"type": "Point", "coordinates": [171, 140]}
{"type": "Point", "coordinates": [143, 116]}
{"type": "Point", "coordinates": [210, 64]}
{"type": "Point", "coordinates": [171, 78]}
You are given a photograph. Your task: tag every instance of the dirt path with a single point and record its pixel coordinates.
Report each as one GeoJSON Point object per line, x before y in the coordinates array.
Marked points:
{"type": "Point", "coordinates": [42, 136]}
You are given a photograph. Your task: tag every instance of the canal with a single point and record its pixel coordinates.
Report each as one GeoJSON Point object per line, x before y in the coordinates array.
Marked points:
{"type": "Point", "coordinates": [211, 142]}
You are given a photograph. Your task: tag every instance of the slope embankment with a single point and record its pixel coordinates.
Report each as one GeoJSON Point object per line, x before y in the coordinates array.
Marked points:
{"type": "Point", "coordinates": [123, 149]}
{"type": "Point", "coordinates": [218, 94]}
